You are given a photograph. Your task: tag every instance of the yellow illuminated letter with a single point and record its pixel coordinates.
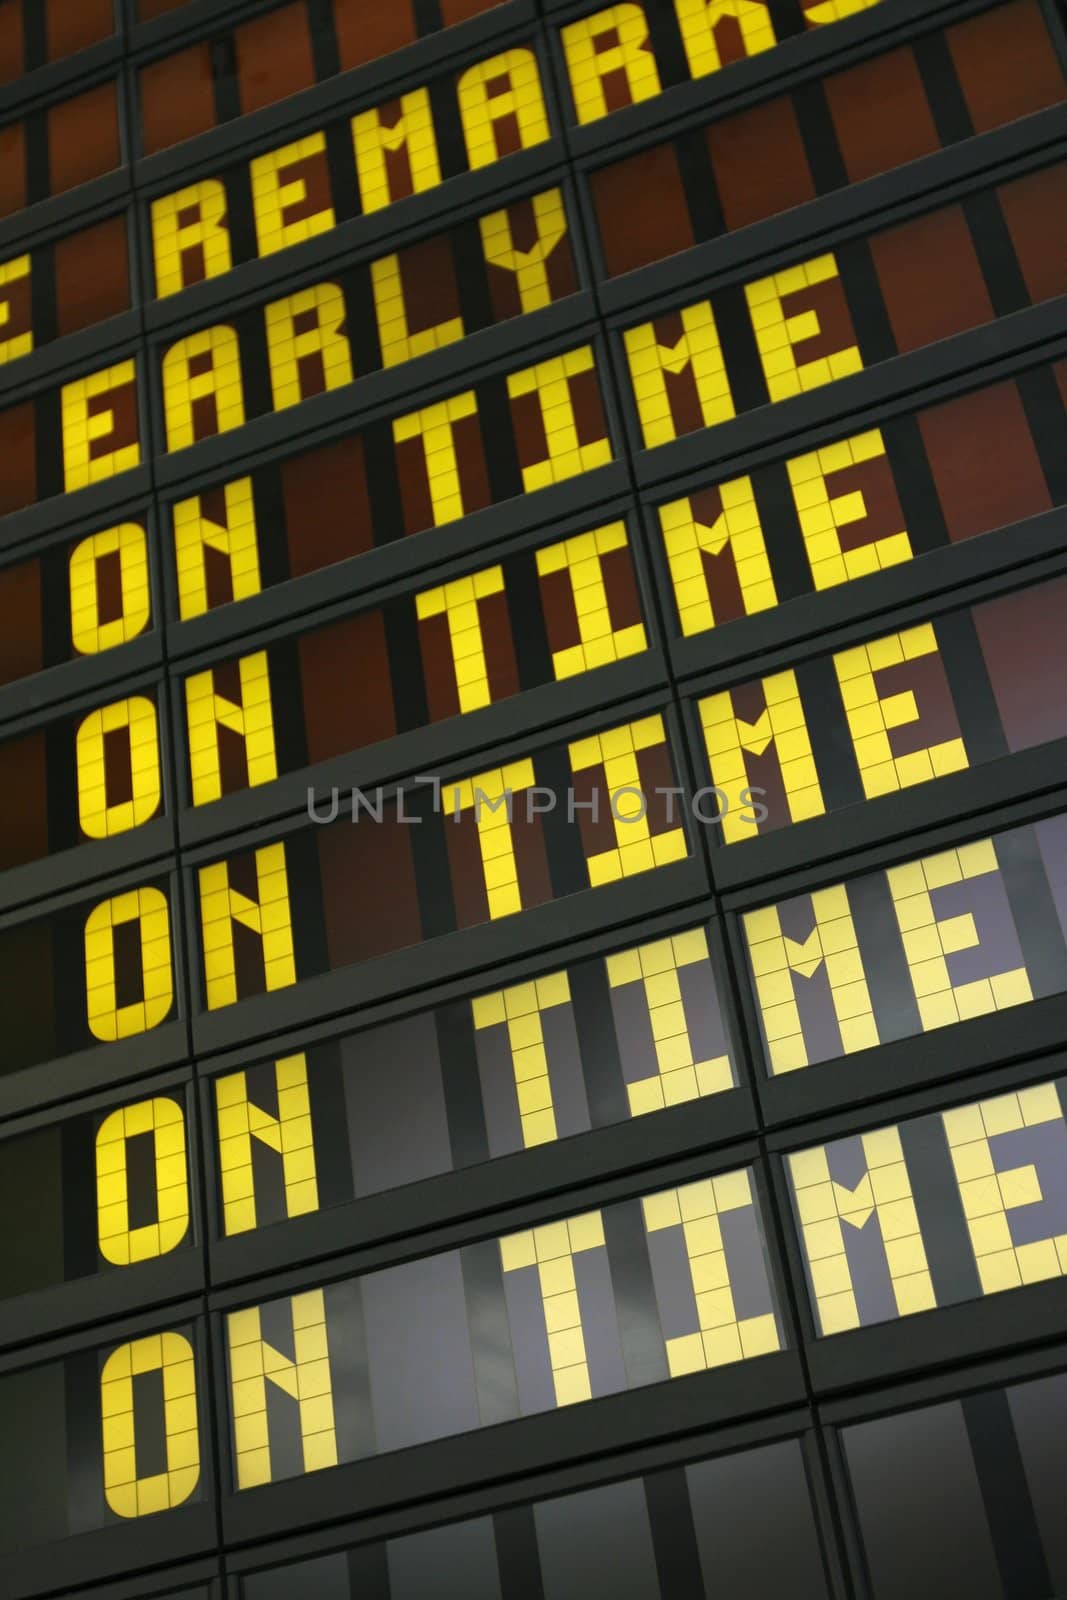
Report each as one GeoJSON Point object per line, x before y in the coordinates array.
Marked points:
{"type": "Point", "coordinates": [704, 22]}
{"type": "Point", "coordinates": [148, 909]}
{"type": "Point", "coordinates": [651, 970]}
{"type": "Point", "coordinates": [726, 1331]}
{"type": "Point", "coordinates": [15, 316]}
{"type": "Point", "coordinates": [458, 602]}
{"type": "Point", "coordinates": [306, 344]}
{"type": "Point", "coordinates": [551, 1250]}
{"type": "Point", "coordinates": [190, 237]}
{"type": "Point", "coordinates": [930, 939]}
{"type": "Point", "coordinates": [678, 373]}
{"type": "Point", "coordinates": [110, 600]}
{"type": "Point", "coordinates": [844, 537]}
{"type": "Point", "coordinates": [215, 548]}
{"type": "Point", "coordinates": [101, 437]}
{"type": "Point", "coordinates": [490, 796]}
{"type": "Point", "coordinates": [789, 312]}
{"type": "Point", "coordinates": [880, 1208]}
{"type": "Point", "coordinates": [581, 559]}
{"type": "Point", "coordinates": [396, 150]}
{"type": "Point", "coordinates": [434, 425]}
{"type": "Point", "coordinates": [289, 1135]}
{"type": "Point", "coordinates": [609, 44]}
{"type": "Point", "coordinates": [269, 918]}
{"type": "Point", "coordinates": [636, 849]}
{"type": "Point", "coordinates": [398, 343]}
{"type": "Point", "coordinates": [288, 188]}
{"type": "Point", "coordinates": [123, 790]}
{"type": "Point", "coordinates": [717, 556]}
{"type": "Point", "coordinates": [521, 1008]}
{"type": "Point", "coordinates": [171, 1355]}
{"type": "Point", "coordinates": [778, 961]}
{"type": "Point", "coordinates": [996, 1175]}
{"type": "Point", "coordinates": [872, 716]}
{"type": "Point", "coordinates": [306, 1380]}
{"type": "Point", "coordinates": [120, 1243]}
{"type": "Point", "coordinates": [246, 724]}
{"type": "Point", "coordinates": [551, 383]}
{"type": "Point", "coordinates": [780, 730]}
{"type": "Point", "coordinates": [529, 266]}
{"type": "Point", "coordinates": [502, 107]}
{"type": "Point", "coordinates": [202, 392]}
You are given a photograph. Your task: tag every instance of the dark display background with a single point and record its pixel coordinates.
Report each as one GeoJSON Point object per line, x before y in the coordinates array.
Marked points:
{"type": "Point", "coordinates": [515, 394]}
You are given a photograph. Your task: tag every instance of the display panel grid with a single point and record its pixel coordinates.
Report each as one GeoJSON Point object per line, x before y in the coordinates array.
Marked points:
{"type": "Point", "coordinates": [499, 502]}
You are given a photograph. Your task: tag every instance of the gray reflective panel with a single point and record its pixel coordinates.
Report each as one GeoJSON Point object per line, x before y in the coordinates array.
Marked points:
{"type": "Point", "coordinates": [1052, 843]}
{"type": "Point", "coordinates": [421, 1366]}
{"type": "Point", "coordinates": [600, 1322]}
{"type": "Point", "coordinates": [31, 1203]}
{"type": "Point", "coordinates": [565, 1071]}
{"type": "Point", "coordinates": [397, 1128]}
{"type": "Point", "coordinates": [755, 1525]}
{"type": "Point", "coordinates": [325, 1578]}
{"type": "Point", "coordinates": [526, 1320]}
{"type": "Point", "coordinates": [920, 1507]}
{"type": "Point", "coordinates": [457, 1562]}
{"type": "Point", "coordinates": [34, 1472]}
{"type": "Point", "coordinates": [496, 1076]}
{"type": "Point", "coordinates": [1039, 1412]}
{"type": "Point", "coordinates": [597, 1543]}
